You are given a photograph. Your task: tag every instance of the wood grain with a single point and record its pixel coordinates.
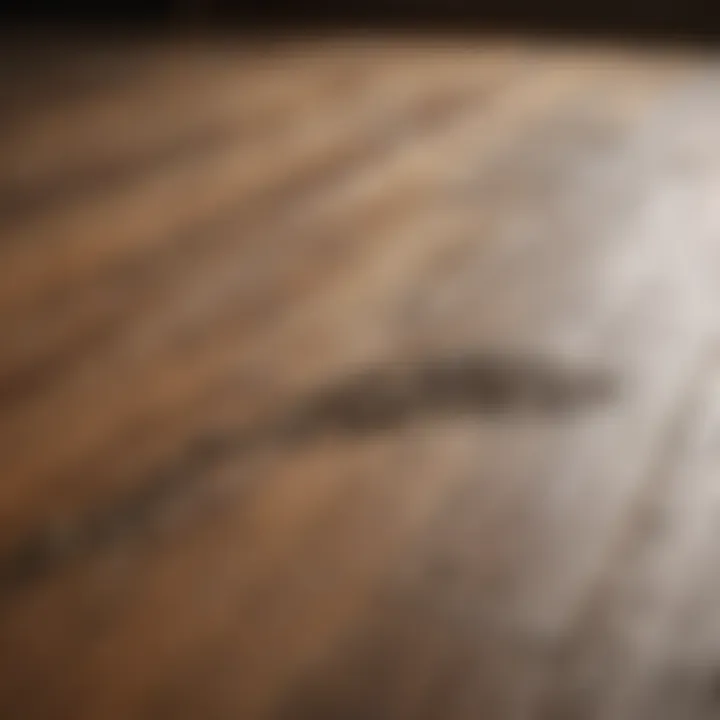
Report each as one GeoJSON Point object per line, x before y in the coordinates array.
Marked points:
{"type": "Point", "coordinates": [358, 377]}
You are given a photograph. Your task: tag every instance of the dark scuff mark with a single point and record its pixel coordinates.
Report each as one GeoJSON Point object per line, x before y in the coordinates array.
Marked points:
{"type": "Point", "coordinates": [374, 401]}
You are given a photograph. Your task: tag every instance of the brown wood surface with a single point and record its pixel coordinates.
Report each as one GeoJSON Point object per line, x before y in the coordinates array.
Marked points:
{"type": "Point", "coordinates": [359, 378]}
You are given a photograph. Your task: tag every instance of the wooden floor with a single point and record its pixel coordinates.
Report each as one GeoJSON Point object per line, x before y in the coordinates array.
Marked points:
{"type": "Point", "coordinates": [360, 378]}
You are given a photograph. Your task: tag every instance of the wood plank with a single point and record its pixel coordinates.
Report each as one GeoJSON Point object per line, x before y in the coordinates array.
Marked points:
{"type": "Point", "coordinates": [208, 513]}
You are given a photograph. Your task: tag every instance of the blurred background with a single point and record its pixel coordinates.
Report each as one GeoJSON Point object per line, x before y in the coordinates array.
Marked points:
{"type": "Point", "coordinates": [694, 19]}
